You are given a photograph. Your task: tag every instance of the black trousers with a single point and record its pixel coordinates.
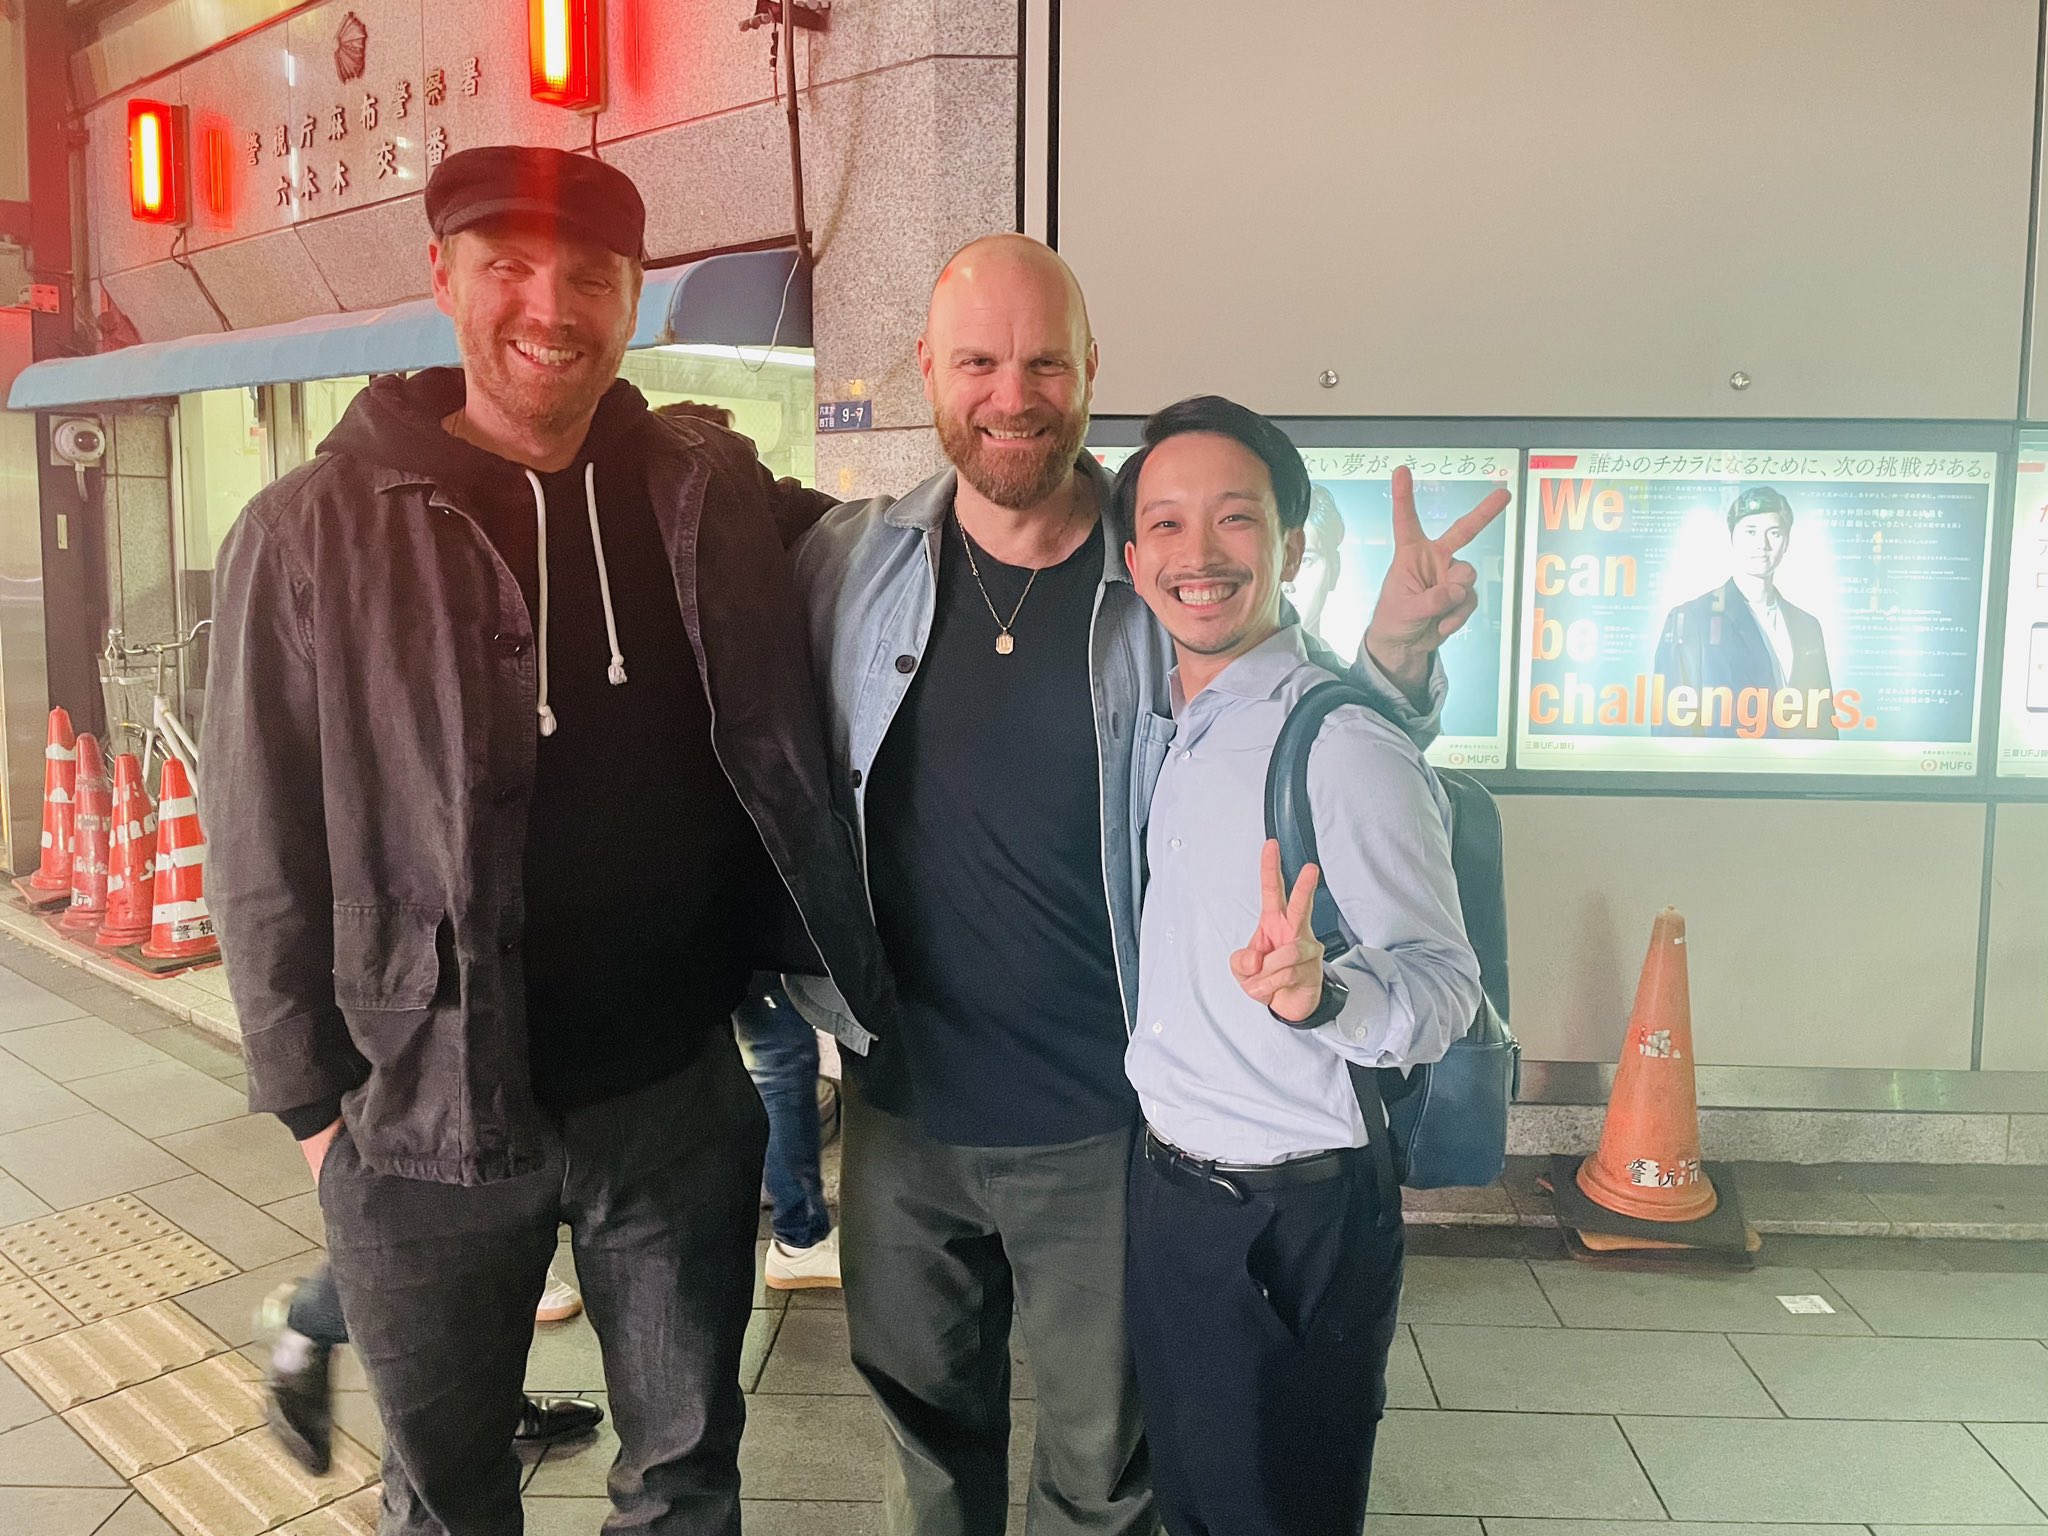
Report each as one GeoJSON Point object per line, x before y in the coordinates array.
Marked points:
{"type": "Point", "coordinates": [660, 1191]}
{"type": "Point", "coordinates": [1260, 1332]}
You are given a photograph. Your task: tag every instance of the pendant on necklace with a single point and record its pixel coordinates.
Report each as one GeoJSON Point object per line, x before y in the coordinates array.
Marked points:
{"type": "Point", "coordinates": [1005, 643]}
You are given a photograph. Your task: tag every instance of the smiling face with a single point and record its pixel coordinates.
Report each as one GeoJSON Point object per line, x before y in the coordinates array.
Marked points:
{"type": "Point", "coordinates": [542, 318]}
{"type": "Point", "coordinates": [1008, 368]}
{"type": "Point", "coordinates": [1209, 553]}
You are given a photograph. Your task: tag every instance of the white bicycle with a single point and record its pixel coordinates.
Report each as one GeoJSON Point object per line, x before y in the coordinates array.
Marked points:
{"type": "Point", "coordinates": [127, 666]}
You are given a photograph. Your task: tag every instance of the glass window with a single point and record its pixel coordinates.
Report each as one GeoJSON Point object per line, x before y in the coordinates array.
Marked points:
{"type": "Point", "coordinates": [322, 402]}
{"type": "Point", "coordinates": [770, 395]}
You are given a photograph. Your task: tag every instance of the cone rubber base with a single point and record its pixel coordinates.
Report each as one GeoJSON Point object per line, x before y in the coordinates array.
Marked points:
{"type": "Point", "coordinates": [132, 956]}
{"type": "Point", "coordinates": [1721, 1234]}
{"type": "Point", "coordinates": [41, 900]}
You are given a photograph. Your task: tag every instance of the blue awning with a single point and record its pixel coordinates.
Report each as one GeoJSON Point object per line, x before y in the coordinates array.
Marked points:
{"type": "Point", "coordinates": [745, 299]}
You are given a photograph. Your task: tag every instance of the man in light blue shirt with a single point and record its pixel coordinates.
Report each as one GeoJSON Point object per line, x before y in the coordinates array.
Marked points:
{"type": "Point", "coordinates": [1262, 1274]}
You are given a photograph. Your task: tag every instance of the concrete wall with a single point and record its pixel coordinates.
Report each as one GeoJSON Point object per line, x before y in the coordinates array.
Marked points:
{"type": "Point", "coordinates": [910, 138]}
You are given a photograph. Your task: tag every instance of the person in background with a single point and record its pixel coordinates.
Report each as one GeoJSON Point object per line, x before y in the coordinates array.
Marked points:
{"type": "Point", "coordinates": [1264, 1272]}
{"type": "Point", "coordinates": [781, 1052]}
{"type": "Point", "coordinates": [1745, 634]}
{"type": "Point", "coordinates": [299, 1326]}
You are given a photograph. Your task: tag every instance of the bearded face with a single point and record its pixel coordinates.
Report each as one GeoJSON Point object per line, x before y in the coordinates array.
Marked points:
{"type": "Point", "coordinates": [1015, 459]}
{"type": "Point", "coordinates": [542, 319]}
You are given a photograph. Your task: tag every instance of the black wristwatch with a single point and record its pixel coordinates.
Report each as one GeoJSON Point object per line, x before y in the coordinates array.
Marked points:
{"type": "Point", "coordinates": [1335, 996]}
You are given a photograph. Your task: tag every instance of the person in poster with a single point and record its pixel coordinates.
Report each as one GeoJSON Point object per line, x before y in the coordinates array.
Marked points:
{"type": "Point", "coordinates": [1745, 634]}
{"type": "Point", "coordinates": [1322, 561]}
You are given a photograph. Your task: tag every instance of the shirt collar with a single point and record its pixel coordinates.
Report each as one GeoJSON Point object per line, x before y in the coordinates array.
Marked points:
{"type": "Point", "coordinates": [1258, 674]}
{"type": "Point", "coordinates": [927, 507]}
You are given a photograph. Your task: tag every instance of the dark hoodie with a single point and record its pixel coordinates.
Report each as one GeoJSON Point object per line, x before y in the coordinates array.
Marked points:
{"type": "Point", "coordinates": [644, 875]}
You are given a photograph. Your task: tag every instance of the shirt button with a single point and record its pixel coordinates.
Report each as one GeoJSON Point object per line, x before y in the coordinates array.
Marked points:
{"type": "Point", "coordinates": [507, 946]}
{"type": "Point", "coordinates": [505, 794]}
{"type": "Point", "coordinates": [1186, 755]}
{"type": "Point", "coordinates": [1157, 1028]}
{"type": "Point", "coordinates": [906, 664]}
{"type": "Point", "coordinates": [1176, 843]}
{"type": "Point", "coordinates": [856, 778]}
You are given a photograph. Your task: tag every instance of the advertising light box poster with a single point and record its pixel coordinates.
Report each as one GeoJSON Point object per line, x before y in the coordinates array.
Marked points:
{"type": "Point", "coordinates": [2023, 712]}
{"type": "Point", "coordinates": [1700, 611]}
{"type": "Point", "coordinates": [1350, 545]}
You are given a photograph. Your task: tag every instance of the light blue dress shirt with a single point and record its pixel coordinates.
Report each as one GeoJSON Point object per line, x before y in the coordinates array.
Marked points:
{"type": "Point", "coordinates": [1218, 1075]}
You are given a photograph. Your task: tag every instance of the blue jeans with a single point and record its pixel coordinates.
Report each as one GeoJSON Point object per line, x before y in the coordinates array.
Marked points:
{"type": "Point", "coordinates": [316, 1310]}
{"type": "Point", "coordinates": [781, 1053]}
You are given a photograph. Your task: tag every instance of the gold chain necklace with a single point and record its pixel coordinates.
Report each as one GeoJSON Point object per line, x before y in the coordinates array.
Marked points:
{"type": "Point", "coordinates": [1005, 641]}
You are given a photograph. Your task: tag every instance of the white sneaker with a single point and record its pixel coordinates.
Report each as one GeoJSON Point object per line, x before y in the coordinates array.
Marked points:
{"type": "Point", "coordinates": [804, 1269]}
{"type": "Point", "coordinates": [559, 1302]}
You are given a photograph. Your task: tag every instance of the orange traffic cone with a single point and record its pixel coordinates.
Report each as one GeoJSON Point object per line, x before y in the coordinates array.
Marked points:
{"type": "Point", "coordinates": [181, 929]}
{"type": "Point", "coordinates": [92, 811]}
{"type": "Point", "coordinates": [50, 885]}
{"type": "Point", "coordinates": [1648, 1165]}
{"type": "Point", "coordinates": [131, 866]}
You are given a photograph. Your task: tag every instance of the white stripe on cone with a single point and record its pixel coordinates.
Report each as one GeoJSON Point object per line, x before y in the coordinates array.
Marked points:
{"type": "Point", "coordinates": [181, 858]}
{"type": "Point", "coordinates": [57, 754]}
{"type": "Point", "coordinates": [178, 911]}
{"type": "Point", "coordinates": [183, 805]}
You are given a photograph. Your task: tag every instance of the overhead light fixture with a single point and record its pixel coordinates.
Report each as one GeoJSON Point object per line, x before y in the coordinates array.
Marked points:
{"type": "Point", "coordinates": [156, 162]}
{"type": "Point", "coordinates": [565, 53]}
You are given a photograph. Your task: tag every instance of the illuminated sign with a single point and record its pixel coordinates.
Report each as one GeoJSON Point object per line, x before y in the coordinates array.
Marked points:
{"type": "Point", "coordinates": [2023, 697]}
{"type": "Point", "coordinates": [1704, 611]}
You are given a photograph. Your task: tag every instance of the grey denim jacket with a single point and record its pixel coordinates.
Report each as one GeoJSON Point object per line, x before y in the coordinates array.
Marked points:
{"type": "Point", "coordinates": [868, 577]}
{"type": "Point", "coordinates": [368, 759]}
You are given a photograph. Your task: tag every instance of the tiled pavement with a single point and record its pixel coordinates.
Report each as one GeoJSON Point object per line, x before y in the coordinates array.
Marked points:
{"type": "Point", "coordinates": [143, 1214]}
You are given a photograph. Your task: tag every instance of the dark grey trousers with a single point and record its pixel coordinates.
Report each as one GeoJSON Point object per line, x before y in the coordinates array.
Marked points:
{"type": "Point", "coordinates": [942, 1246]}
{"type": "Point", "coordinates": [659, 1189]}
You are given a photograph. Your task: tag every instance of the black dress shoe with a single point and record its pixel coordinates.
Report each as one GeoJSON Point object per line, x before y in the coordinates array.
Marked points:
{"type": "Point", "coordinates": [544, 1420]}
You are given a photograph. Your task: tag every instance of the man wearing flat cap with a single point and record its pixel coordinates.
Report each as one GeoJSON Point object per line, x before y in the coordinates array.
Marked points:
{"type": "Point", "coordinates": [515, 772]}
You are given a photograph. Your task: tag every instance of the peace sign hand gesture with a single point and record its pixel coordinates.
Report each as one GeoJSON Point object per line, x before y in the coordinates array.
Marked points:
{"type": "Point", "coordinates": [1428, 593]}
{"type": "Point", "coordinates": [1282, 967]}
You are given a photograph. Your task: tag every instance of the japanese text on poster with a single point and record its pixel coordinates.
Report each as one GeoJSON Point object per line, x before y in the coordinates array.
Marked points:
{"type": "Point", "coordinates": [1782, 612]}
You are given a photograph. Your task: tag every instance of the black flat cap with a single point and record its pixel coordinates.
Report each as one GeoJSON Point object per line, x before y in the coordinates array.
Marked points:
{"type": "Point", "coordinates": [579, 193]}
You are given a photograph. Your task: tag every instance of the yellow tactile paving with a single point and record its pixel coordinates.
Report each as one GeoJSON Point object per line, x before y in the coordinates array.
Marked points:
{"type": "Point", "coordinates": [125, 1351]}
{"type": "Point", "coordinates": [355, 1515]}
{"type": "Point", "coordinates": [28, 1312]}
{"type": "Point", "coordinates": [152, 1425]}
{"type": "Point", "coordinates": [71, 1237]}
{"type": "Point", "coordinates": [134, 1277]}
{"type": "Point", "coordinates": [249, 1485]}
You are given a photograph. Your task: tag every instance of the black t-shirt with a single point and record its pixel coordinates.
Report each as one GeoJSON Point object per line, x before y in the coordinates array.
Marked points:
{"type": "Point", "coordinates": [643, 870]}
{"type": "Point", "coordinates": [985, 861]}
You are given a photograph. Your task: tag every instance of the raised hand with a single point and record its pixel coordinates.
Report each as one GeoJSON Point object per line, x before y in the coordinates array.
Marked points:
{"type": "Point", "coordinates": [1428, 593]}
{"type": "Point", "coordinates": [1282, 967]}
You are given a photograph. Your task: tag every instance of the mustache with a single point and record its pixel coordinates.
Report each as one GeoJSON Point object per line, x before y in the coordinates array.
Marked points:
{"type": "Point", "coordinates": [1029, 421]}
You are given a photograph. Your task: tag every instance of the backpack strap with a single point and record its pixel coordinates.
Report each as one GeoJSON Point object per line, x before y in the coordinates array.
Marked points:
{"type": "Point", "coordinates": [1291, 822]}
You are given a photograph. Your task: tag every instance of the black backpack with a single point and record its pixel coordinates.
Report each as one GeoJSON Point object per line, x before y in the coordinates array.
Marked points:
{"type": "Point", "coordinates": [1446, 1122]}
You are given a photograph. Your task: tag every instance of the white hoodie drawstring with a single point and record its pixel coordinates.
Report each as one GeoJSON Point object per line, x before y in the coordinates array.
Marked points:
{"type": "Point", "coordinates": [540, 518]}
{"type": "Point", "coordinates": [616, 672]}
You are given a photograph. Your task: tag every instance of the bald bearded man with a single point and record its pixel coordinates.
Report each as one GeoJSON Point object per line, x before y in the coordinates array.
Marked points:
{"type": "Point", "coordinates": [997, 709]}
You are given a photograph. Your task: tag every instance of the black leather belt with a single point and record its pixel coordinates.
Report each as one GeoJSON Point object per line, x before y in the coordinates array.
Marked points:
{"type": "Point", "coordinates": [1238, 1180]}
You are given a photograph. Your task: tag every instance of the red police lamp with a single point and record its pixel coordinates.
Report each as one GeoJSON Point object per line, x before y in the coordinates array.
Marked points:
{"type": "Point", "coordinates": [565, 53]}
{"type": "Point", "coordinates": [156, 162]}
